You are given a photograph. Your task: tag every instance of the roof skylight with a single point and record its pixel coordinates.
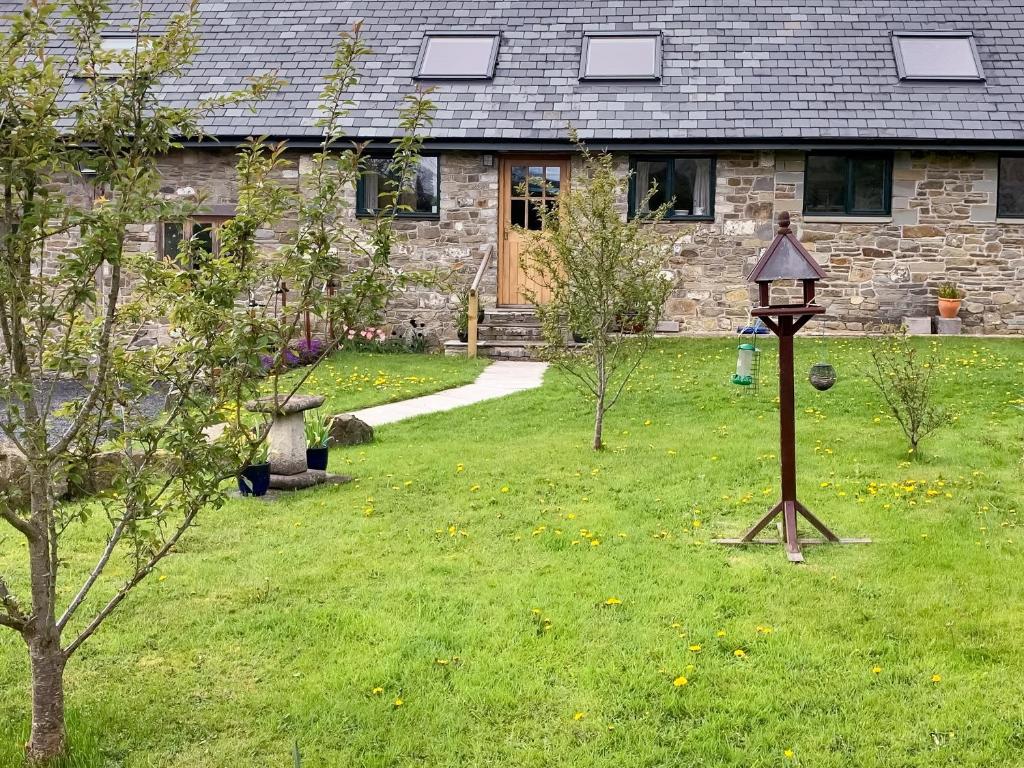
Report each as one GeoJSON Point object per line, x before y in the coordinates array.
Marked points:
{"type": "Point", "coordinates": [457, 56]}
{"type": "Point", "coordinates": [621, 56]}
{"type": "Point", "coordinates": [936, 56]}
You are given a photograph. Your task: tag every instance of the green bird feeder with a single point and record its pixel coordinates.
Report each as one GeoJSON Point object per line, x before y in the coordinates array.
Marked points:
{"type": "Point", "coordinates": [744, 375]}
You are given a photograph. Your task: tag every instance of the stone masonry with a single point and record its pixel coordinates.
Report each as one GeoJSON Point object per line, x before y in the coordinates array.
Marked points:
{"type": "Point", "coordinates": [943, 228]}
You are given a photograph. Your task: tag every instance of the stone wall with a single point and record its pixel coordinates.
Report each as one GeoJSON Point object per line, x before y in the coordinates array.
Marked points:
{"type": "Point", "coordinates": [943, 228]}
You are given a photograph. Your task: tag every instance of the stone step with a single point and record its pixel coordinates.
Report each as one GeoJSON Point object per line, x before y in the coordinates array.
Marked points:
{"type": "Point", "coordinates": [510, 333]}
{"type": "Point", "coordinates": [523, 317]}
{"type": "Point", "coordinates": [497, 350]}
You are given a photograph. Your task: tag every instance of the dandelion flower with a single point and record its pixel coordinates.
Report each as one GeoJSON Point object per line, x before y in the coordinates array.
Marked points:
{"type": "Point", "coordinates": [936, 678]}
{"type": "Point", "coordinates": [399, 702]}
{"type": "Point", "coordinates": [680, 681]}
{"type": "Point", "coordinates": [377, 691]}
{"type": "Point", "coordinates": [876, 670]}
{"type": "Point", "coordinates": [579, 716]}
{"type": "Point", "coordinates": [613, 601]}
{"type": "Point", "coordinates": [739, 653]}
{"type": "Point", "coordinates": [504, 489]}
{"type": "Point", "coordinates": [720, 633]}
{"type": "Point", "coordinates": [789, 754]}
{"type": "Point", "coordinates": [695, 648]}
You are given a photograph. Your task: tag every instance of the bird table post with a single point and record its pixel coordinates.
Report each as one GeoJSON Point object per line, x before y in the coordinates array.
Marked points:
{"type": "Point", "coordinates": [787, 259]}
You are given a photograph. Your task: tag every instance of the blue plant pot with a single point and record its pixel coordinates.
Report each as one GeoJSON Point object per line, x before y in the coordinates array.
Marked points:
{"type": "Point", "coordinates": [316, 458]}
{"type": "Point", "coordinates": [254, 480]}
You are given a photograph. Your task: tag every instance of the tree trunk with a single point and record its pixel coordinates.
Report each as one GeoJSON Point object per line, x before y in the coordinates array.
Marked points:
{"type": "Point", "coordinates": [47, 738]}
{"type": "Point", "coordinates": [602, 386]}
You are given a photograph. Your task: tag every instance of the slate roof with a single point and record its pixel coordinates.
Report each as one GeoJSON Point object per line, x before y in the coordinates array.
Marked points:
{"type": "Point", "coordinates": [732, 69]}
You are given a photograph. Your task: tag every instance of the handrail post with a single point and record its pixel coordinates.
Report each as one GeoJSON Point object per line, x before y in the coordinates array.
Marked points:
{"type": "Point", "coordinates": [474, 308]}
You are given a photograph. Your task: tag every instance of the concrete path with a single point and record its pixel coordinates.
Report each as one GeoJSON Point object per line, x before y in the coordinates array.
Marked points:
{"type": "Point", "coordinates": [497, 380]}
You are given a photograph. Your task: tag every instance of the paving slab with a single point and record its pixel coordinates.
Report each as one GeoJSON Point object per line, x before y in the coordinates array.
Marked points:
{"type": "Point", "coordinates": [497, 380]}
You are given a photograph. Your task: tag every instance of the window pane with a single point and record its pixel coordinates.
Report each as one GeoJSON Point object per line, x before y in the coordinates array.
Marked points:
{"type": "Point", "coordinates": [203, 236]}
{"type": "Point", "coordinates": [379, 184]}
{"type": "Point", "coordinates": [868, 185]}
{"type": "Point", "coordinates": [650, 173]}
{"type": "Point", "coordinates": [536, 180]}
{"type": "Point", "coordinates": [692, 189]}
{"type": "Point", "coordinates": [825, 184]}
{"type": "Point", "coordinates": [625, 57]}
{"type": "Point", "coordinates": [518, 213]}
{"type": "Point", "coordinates": [518, 180]}
{"type": "Point", "coordinates": [937, 57]}
{"type": "Point", "coordinates": [532, 216]}
{"type": "Point", "coordinates": [171, 241]}
{"type": "Point", "coordinates": [458, 56]}
{"type": "Point", "coordinates": [553, 174]}
{"type": "Point", "coordinates": [1011, 187]}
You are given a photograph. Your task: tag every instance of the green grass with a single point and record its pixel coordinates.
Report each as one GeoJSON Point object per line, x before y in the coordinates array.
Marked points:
{"type": "Point", "coordinates": [353, 380]}
{"type": "Point", "coordinates": [278, 620]}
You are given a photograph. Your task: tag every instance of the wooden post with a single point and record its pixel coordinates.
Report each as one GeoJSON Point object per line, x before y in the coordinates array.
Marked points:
{"type": "Point", "coordinates": [474, 309]}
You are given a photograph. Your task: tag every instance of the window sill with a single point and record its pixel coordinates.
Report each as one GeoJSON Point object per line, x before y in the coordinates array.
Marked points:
{"type": "Point", "coordinates": [839, 219]}
{"type": "Point", "coordinates": [402, 216]}
{"type": "Point", "coordinates": [1009, 219]}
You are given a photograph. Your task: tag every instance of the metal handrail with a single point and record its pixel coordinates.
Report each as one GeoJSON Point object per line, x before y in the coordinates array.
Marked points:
{"type": "Point", "coordinates": [474, 302]}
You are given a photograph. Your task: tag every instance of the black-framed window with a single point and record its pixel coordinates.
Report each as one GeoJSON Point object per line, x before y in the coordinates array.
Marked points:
{"type": "Point", "coordinates": [421, 198]}
{"type": "Point", "coordinates": [848, 185]}
{"type": "Point", "coordinates": [687, 183]}
{"type": "Point", "coordinates": [204, 231]}
{"type": "Point", "coordinates": [1010, 197]}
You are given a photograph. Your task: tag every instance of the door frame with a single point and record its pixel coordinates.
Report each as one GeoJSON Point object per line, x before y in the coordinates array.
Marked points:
{"type": "Point", "coordinates": [505, 163]}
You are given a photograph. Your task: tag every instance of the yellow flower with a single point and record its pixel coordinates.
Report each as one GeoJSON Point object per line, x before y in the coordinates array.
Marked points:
{"type": "Point", "coordinates": [876, 670]}
{"type": "Point", "coordinates": [504, 489]}
{"type": "Point", "coordinates": [613, 601]}
{"type": "Point", "coordinates": [720, 633]}
{"type": "Point", "coordinates": [460, 468]}
{"type": "Point", "coordinates": [789, 754]}
{"type": "Point", "coordinates": [377, 691]}
{"type": "Point", "coordinates": [579, 716]}
{"type": "Point", "coordinates": [680, 681]}
{"type": "Point", "coordinates": [399, 702]}
{"type": "Point", "coordinates": [739, 653]}
{"type": "Point", "coordinates": [764, 630]}
{"type": "Point", "coordinates": [163, 578]}
{"type": "Point", "coordinates": [695, 648]}
{"type": "Point", "coordinates": [441, 662]}
{"type": "Point", "coordinates": [595, 542]}
{"type": "Point", "coordinates": [474, 488]}
{"type": "Point", "coordinates": [936, 678]}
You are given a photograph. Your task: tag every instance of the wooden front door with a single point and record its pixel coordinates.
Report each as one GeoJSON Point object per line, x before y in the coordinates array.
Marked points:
{"type": "Point", "coordinates": [525, 183]}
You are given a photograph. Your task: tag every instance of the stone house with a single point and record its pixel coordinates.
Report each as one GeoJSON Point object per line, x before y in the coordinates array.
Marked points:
{"type": "Point", "coordinates": [892, 132]}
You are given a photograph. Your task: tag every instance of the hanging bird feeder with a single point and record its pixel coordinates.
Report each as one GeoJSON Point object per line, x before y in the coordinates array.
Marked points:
{"type": "Point", "coordinates": [744, 375]}
{"type": "Point", "coordinates": [822, 376]}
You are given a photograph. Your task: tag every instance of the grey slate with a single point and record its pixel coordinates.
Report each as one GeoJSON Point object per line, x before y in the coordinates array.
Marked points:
{"type": "Point", "coordinates": [732, 69]}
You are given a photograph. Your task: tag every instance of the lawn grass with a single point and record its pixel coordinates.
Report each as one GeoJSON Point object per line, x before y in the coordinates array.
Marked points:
{"type": "Point", "coordinates": [469, 574]}
{"type": "Point", "coordinates": [352, 380]}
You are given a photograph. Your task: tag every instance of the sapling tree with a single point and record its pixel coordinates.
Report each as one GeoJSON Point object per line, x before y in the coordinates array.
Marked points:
{"type": "Point", "coordinates": [604, 276]}
{"type": "Point", "coordinates": [903, 377]}
{"type": "Point", "coordinates": [70, 314]}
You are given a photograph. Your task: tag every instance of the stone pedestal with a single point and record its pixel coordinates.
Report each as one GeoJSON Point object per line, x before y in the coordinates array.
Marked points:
{"type": "Point", "coordinates": [288, 468]}
{"type": "Point", "coordinates": [948, 326]}
{"type": "Point", "coordinates": [918, 326]}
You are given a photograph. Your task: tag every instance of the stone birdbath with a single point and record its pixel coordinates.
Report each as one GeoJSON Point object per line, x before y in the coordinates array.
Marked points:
{"type": "Point", "coordinates": [287, 438]}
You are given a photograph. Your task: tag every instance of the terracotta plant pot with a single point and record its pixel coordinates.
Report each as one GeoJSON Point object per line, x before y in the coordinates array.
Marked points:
{"type": "Point", "coordinates": [948, 308]}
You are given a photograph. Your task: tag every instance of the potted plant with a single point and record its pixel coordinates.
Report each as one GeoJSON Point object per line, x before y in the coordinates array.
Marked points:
{"type": "Point", "coordinates": [949, 300]}
{"type": "Point", "coordinates": [318, 435]}
{"type": "Point", "coordinates": [254, 479]}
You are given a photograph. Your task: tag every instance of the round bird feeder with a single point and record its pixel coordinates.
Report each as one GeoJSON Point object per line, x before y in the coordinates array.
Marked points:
{"type": "Point", "coordinates": [822, 376]}
{"type": "Point", "coordinates": [744, 375]}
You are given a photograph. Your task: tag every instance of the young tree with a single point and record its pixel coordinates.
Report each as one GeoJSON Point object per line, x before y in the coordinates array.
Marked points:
{"type": "Point", "coordinates": [77, 323]}
{"type": "Point", "coordinates": [604, 275]}
{"type": "Point", "coordinates": [904, 381]}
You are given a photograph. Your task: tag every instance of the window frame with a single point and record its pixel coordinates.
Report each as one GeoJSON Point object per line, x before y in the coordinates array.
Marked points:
{"type": "Point", "coordinates": [901, 69]}
{"type": "Point", "coordinates": [491, 64]}
{"type": "Point", "coordinates": [1000, 213]}
{"type": "Point", "coordinates": [848, 211]}
{"type": "Point", "coordinates": [366, 213]}
{"type": "Point", "coordinates": [585, 51]}
{"type": "Point", "coordinates": [670, 188]}
{"type": "Point", "coordinates": [188, 225]}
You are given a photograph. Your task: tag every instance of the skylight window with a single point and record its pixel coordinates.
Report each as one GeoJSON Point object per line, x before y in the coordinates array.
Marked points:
{"type": "Point", "coordinates": [621, 56]}
{"type": "Point", "coordinates": [113, 52]}
{"type": "Point", "coordinates": [936, 56]}
{"type": "Point", "coordinates": [455, 56]}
